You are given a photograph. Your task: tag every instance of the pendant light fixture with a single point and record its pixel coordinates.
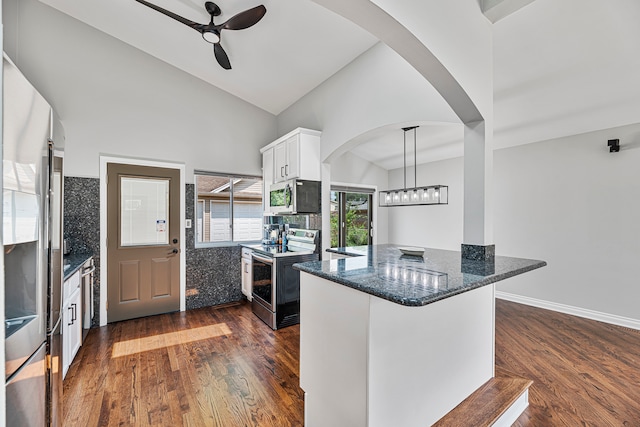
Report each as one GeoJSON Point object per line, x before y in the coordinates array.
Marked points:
{"type": "Point", "coordinates": [427, 195]}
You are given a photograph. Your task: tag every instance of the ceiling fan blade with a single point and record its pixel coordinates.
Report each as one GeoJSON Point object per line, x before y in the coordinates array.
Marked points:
{"type": "Point", "coordinates": [245, 19]}
{"type": "Point", "coordinates": [221, 56]}
{"type": "Point", "coordinates": [178, 18]}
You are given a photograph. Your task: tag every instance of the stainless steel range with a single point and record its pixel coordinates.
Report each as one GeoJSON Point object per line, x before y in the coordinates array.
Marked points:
{"type": "Point", "coordinates": [275, 284]}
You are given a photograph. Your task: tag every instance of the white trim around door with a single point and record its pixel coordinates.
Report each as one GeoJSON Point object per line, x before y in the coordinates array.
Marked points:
{"type": "Point", "coordinates": [104, 160]}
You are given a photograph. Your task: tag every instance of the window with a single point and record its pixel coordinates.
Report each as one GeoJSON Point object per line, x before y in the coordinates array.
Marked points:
{"type": "Point", "coordinates": [228, 208]}
{"type": "Point", "coordinates": [351, 216]}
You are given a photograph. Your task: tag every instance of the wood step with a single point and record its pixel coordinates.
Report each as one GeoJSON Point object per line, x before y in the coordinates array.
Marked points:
{"type": "Point", "coordinates": [488, 403]}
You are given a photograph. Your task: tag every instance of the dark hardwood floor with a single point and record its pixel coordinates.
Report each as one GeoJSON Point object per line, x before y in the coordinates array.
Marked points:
{"type": "Point", "coordinates": [585, 373]}
{"type": "Point", "coordinates": [205, 367]}
{"type": "Point", "coordinates": [224, 367]}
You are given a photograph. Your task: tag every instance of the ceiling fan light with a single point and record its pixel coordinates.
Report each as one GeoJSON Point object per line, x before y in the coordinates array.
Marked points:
{"type": "Point", "coordinates": [211, 37]}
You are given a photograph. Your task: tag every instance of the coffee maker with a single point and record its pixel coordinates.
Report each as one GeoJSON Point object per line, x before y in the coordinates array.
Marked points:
{"type": "Point", "coordinates": [271, 233]}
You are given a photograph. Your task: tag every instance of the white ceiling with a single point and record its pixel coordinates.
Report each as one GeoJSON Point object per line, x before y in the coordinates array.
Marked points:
{"type": "Point", "coordinates": [294, 48]}
{"type": "Point", "coordinates": [560, 67]}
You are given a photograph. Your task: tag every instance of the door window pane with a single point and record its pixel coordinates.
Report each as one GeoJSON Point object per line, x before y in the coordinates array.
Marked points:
{"type": "Point", "coordinates": [144, 211]}
{"type": "Point", "coordinates": [335, 219]}
{"type": "Point", "coordinates": [357, 219]}
{"type": "Point", "coordinates": [351, 218]}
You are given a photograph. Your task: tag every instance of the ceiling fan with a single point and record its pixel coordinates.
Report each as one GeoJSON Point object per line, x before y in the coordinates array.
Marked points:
{"type": "Point", "coordinates": [211, 32]}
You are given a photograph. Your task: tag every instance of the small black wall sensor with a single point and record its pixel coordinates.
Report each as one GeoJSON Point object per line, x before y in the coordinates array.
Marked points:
{"type": "Point", "coordinates": [614, 145]}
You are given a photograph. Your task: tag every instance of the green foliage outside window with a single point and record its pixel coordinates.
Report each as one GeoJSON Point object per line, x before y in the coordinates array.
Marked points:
{"type": "Point", "coordinates": [356, 221]}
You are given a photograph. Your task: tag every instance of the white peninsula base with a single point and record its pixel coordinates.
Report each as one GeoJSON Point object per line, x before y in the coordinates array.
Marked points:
{"type": "Point", "coordinates": [366, 361]}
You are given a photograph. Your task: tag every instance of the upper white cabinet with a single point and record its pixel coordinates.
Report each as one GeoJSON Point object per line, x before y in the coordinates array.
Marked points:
{"type": "Point", "coordinates": [267, 177]}
{"type": "Point", "coordinates": [295, 155]}
{"type": "Point", "coordinates": [287, 159]}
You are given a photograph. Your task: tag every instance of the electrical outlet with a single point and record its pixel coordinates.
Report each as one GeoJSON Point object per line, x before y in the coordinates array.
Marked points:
{"type": "Point", "coordinates": [187, 223]}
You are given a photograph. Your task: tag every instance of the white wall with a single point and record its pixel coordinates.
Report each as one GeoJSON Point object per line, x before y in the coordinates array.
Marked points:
{"type": "Point", "coordinates": [351, 169]}
{"type": "Point", "coordinates": [2, 361]}
{"type": "Point", "coordinates": [460, 36]}
{"type": "Point", "coordinates": [566, 201]}
{"type": "Point", "coordinates": [114, 99]}
{"type": "Point", "coordinates": [573, 204]}
{"type": "Point", "coordinates": [429, 226]}
{"type": "Point", "coordinates": [377, 89]}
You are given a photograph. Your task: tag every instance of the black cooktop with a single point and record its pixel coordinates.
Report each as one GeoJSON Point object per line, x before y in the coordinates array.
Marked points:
{"type": "Point", "coordinates": [278, 250]}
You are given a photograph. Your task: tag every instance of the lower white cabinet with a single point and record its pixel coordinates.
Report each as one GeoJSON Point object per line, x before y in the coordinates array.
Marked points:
{"type": "Point", "coordinates": [71, 322]}
{"type": "Point", "coordinates": [246, 272]}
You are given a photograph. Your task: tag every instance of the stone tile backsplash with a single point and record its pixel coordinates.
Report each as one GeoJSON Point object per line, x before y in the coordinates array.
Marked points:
{"type": "Point", "coordinates": [213, 275]}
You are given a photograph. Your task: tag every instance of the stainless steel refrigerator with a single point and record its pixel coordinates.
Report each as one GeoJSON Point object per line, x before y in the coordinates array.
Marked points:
{"type": "Point", "coordinates": [32, 237]}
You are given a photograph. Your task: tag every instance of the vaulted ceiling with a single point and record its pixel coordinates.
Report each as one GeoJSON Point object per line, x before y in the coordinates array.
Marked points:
{"type": "Point", "coordinates": [560, 67]}
{"type": "Point", "coordinates": [295, 47]}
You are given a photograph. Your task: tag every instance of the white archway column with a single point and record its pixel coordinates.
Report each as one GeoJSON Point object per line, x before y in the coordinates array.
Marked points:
{"type": "Point", "coordinates": [450, 44]}
{"type": "Point", "coordinates": [478, 189]}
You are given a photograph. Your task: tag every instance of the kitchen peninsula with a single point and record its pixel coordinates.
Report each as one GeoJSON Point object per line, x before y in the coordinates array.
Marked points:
{"type": "Point", "coordinates": [390, 339]}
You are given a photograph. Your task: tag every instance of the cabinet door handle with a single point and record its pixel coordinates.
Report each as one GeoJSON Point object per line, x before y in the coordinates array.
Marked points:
{"type": "Point", "coordinates": [286, 170]}
{"type": "Point", "coordinates": [282, 171]}
{"type": "Point", "coordinates": [71, 321]}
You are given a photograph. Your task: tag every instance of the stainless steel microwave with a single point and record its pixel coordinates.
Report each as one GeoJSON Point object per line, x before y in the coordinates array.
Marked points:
{"type": "Point", "coordinates": [295, 196]}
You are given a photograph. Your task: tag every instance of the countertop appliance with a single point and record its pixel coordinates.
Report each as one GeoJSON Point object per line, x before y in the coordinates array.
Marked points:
{"type": "Point", "coordinates": [32, 226]}
{"type": "Point", "coordinates": [270, 233]}
{"type": "Point", "coordinates": [295, 196]}
{"type": "Point", "coordinates": [275, 284]}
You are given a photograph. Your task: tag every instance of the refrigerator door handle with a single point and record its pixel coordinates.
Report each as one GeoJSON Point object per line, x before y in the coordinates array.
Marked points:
{"type": "Point", "coordinates": [85, 273]}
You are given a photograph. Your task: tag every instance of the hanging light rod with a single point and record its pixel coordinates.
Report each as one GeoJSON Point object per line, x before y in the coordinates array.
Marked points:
{"type": "Point", "coordinates": [427, 195]}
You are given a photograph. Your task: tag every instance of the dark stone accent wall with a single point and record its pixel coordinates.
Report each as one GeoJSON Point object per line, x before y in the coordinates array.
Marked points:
{"type": "Point", "coordinates": [213, 274]}
{"type": "Point", "coordinates": [82, 225]}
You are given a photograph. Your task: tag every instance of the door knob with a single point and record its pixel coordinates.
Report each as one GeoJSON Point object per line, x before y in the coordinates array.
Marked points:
{"type": "Point", "coordinates": [174, 251]}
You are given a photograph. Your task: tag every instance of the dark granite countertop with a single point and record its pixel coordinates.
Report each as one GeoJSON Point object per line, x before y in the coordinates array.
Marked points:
{"type": "Point", "coordinates": [383, 271]}
{"type": "Point", "coordinates": [74, 262]}
{"type": "Point", "coordinates": [274, 250]}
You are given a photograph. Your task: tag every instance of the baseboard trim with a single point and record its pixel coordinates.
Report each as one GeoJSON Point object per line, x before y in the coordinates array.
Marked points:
{"type": "Point", "coordinates": [626, 322]}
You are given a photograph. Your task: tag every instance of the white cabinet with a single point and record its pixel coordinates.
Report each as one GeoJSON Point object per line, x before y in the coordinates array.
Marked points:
{"type": "Point", "coordinates": [71, 321]}
{"type": "Point", "coordinates": [246, 272]}
{"type": "Point", "coordinates": [294, 155]}
{"type": "Point", "coordinates": [287, 159]}
{"type": "Point", "coordinates": [267, 177]}
{"type": "Point", "coordinates": [346, 353]}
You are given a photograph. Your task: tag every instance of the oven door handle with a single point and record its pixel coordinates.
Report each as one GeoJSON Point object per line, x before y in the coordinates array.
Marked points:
{"type": "Point", "coordinates": [262, 259]}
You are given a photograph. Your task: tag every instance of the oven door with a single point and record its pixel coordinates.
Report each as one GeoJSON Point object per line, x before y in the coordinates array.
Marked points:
{"type": "Point", "coordinates": [263, 281]}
